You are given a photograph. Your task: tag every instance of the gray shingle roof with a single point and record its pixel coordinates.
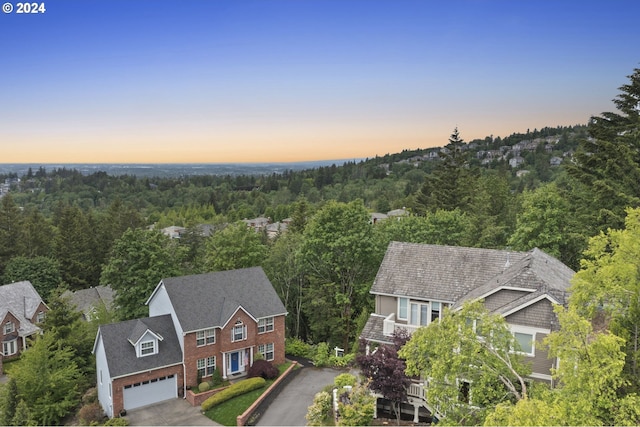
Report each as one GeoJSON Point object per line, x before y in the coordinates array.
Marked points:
{"type": "Point", "coordinates": [121, 355]}
{"type": "Point", "coordinates": [22, 300]}
{"type": "Point", "coordinates": [372, 330]}
{"type": "Point", "coordinates": [86, 299]}
{"type": "Point", "coordinates": [209, 300]}
{"type": "Point", "coordinates": [456, 274]}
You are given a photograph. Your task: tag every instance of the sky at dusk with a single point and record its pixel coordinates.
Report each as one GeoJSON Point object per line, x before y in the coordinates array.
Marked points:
{"type": "Point", "coordinates": [153, 81]}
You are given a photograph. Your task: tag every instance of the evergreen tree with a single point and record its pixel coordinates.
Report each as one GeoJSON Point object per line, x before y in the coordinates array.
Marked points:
{"type": "Point", "coordinates": [450, 186]}
{"type": "Point", "coordinates": [73, 248]}
{"type": "Point", "coordinates": [10, 230]}
{"type": "Point", "coordinates": [608, 162]}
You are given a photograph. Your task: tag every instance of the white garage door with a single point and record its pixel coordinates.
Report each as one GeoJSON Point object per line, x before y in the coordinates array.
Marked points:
{"type": "Point", "coordinates": [150, 392]}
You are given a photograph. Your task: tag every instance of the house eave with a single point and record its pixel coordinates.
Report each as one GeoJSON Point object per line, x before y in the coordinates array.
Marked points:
{"type": "Point", "coordinates": [145, 371]}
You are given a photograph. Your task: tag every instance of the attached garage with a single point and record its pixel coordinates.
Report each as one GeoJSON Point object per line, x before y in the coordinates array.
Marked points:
{"type": "Point", "coordinates": [149, 392]}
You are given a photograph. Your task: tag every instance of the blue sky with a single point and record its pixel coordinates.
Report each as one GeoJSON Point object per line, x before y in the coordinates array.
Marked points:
{"type": "Point", "coordinates": [290, 80]}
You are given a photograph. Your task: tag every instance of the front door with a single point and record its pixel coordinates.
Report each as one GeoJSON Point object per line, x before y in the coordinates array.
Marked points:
{"type": "Point", "coordinates": [235, 362]}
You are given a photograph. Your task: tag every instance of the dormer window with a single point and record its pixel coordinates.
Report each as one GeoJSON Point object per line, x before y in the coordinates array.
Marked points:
{"type": "Point", "coordinates": [147, 348]}
{"type": "Point", "coordinates": [40, 317]}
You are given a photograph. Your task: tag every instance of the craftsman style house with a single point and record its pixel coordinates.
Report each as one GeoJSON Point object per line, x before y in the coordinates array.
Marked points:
{"type": "Point", "coordinates": [21, 310]}
{"type": "Point", "coordinates": [197, 324]}
{"type": "Point", "coordinates": [417, 282]}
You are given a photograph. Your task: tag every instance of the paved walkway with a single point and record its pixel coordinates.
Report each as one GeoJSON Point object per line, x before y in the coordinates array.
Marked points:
{"type": "Point", "coordinates": [290, 407]}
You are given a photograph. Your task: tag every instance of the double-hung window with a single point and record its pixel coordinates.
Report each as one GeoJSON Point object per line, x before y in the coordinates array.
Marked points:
{"type": "Point", "coordinates": [265, 325]}
{"type": "Point", "coordinates": [206, 366]}
{"type": "Point", "coordinates": [206, 337]}
{"type": "Point", "coordinates": [9, 327]}
{"type": "Point", "coordinates": [239, 332]}
{"type": "Point", "coordinates": [267, 351]}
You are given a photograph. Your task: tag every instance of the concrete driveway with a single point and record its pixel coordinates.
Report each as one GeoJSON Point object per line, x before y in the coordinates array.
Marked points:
{"type": "Point", "coordinates": [174, 412]}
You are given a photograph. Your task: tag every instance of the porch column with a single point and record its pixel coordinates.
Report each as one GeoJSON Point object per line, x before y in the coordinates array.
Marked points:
{"type": "Point", "coordinates": [251, 356]}
{"type": "Point", "coordinates": [416, 410]}
{"type": "Point", "coordinates": [224, 366]}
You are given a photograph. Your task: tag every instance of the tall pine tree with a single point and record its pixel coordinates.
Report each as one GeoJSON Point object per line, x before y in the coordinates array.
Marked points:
{"type": "Point", "coordinates": [608, 162]}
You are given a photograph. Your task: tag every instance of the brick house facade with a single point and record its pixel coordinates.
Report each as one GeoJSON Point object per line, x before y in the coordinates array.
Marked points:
{"type": "Point", "coordinates": [21, 312]}
{"type": "Point", "coordinates": [198, 324]}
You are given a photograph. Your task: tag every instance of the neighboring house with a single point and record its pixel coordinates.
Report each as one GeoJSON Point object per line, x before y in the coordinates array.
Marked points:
{"type": "Point", "coordinates": [417, 282]}
{"type": "Point", "coordinates": [197, 324]}
{"type": "Point", "coordinates": [277, 228]}
{"type": "Point", "coordinates": [376, 217]}
{"type": "Point", "coordinates": [21, 310]}
{"type": "Point", "coordinates": [87, 301]}
{"type": "Point", "coordinates": [174, 231]}
{"type": "Point", "coordinates": [258, 224]}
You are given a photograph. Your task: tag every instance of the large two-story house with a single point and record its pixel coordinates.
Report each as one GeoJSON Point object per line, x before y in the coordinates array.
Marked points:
{"type": "Point", "coordinates": [21, 310]}
{"type": "Point", "coordinates": [417, 282]}
{"type": "Point", "coordinates": [196, 324]}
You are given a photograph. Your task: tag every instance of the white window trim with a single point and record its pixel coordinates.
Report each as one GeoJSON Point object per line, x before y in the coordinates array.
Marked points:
{"type": "Point", "coordinates": [244, 332]}
{"type": "Point", "coordinates": [267, 324]}
{"type": "Point", "coordinates": [263, 350]}
{"type": "Point", "coordinates": [407, 309]}
{"type": "Point", "coordinates": [530, 331]}
{"type": "Point", "coordinates": [205, 366]}
{"type": "Point", "coordinates": [14, 346]}
{"type": "Point", "coordinates": [9, 327]}
{"type": "Point", "coordinates": [154, 348]}
{"type": "Point", "coordinates": [205, 336]}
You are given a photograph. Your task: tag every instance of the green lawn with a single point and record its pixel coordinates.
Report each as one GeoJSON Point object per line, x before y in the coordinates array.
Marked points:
{"type": "Point", "coordinates": [226, 412]}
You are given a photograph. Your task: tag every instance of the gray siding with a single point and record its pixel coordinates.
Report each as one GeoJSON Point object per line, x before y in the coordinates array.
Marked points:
{"type": "Point", "coordinates": [537, 315]}
{"type": "Point", "coordinates": [541, 364]}
{"type": "Point", "coordinates": [501, 298]}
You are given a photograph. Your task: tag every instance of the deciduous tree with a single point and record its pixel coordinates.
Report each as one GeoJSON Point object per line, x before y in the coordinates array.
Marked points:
{"type": "Point", "coordinates": [341, 256]}
{"type": "Point", "coordinates": [138, 261]}
{"type": "Point", "coordinates": [236, 246]}
{"type": "Point", "coordinates": [470, 362]}
{"type": "Point", "coordinates": [386, 371]}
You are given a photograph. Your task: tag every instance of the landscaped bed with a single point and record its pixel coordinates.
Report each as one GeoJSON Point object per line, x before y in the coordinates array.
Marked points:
{"type": "Point", "coordinates": [227, 412]}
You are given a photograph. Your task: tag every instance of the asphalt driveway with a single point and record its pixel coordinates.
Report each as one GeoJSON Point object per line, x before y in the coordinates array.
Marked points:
{"type": "Point", "coordinates": [290, 407]}
{"type": "Point", "coordinates": [287, 409]}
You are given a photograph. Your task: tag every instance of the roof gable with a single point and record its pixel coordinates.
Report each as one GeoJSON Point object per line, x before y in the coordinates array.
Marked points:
{"type": "Point", "coordinates": [122, 357]}
{"type": "Point", "coordinates": [22, 301]}
{"type": "Point", "coordinates": [458, 274]}
{"type": "Point", "coordinates": [208, 300]}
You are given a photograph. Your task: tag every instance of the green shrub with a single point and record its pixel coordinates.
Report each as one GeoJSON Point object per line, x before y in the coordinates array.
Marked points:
{"type": "Point", "coordinates": [320, 410]}
{"type": "Point", "coordinates": [117, 422]}
{"type": "Point", "coordinates": [342, 362]}
{"type": "Point", "coordinates": [321, 357]}
{"type": "Point", "coordinates": [234, 390]}
{"type": "Point", "coordinates": [216, 378]}
{"type": "Point", "coordinates": [204, 386]}
{"type": "Point", "coordinates": [297, 347]}
{"type": "Point", "coordinates": [345, 379]}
